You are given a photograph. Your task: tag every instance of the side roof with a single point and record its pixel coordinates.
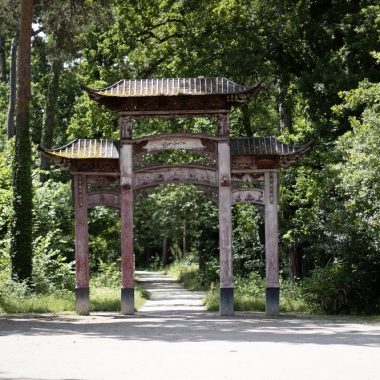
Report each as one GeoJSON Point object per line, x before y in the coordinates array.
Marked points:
{"type": "Point", "coordinates": [259, 148]}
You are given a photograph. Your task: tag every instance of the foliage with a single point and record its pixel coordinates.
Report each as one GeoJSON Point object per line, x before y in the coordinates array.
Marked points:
{"type": "Point", "coordinates": [107, 276]}
{"type": "Point", "coordinates": [187, 274]}
{"type": "Point", "coordinates": [247, 246]}
{"type": "Point", "coordinates": [16, 297]}
{"type": "Point", "coordinates": [104, 242]}
{"type": "Point", "coordinates": [249, 295]}
{"type": "Point", "coordinates": [51, 271]}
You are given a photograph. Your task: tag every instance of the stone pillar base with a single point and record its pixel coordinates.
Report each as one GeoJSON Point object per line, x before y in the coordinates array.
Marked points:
{"type": "Point", "coordinates": [226, 302]}
{"type": "Point", "coordinates": [272, 301]}
{"type": "Point", "coordinates": [82, 301]}
{"type": "Point", "coordinates": [127, 301]}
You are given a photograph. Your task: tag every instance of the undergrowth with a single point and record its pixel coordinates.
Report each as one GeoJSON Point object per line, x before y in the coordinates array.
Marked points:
{"type": "Point", "coordinates": [249, 292]}
{"type": "Point", "coordinates": [17, 297]}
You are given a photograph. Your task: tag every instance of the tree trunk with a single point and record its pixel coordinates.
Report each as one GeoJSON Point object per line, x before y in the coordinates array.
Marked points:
{"type": "Point", "coordinates": [50, 111]}
{"type": "Point", "coordinates": [3, 60]}
{"type": "Point", "coordinates": [245, 119]}
{"type": "Point", "coordinates": [164, 258]}
{"type": "Point", "coordinates": [296, 263]}
{"type": "Point", "coordinates": [21, 229]}
{"type": "Point", "coordinates": [284, 108]}
{"type": "Point", "coordinates": [12, 90]}
{"type": "Point", "coordinates": [184, 239]}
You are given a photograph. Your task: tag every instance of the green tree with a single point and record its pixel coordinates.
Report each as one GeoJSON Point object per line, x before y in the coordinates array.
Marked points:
{"type": "Point", "coordinates": [21, 232]}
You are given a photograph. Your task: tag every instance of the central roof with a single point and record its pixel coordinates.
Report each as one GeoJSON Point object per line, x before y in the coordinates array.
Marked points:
{"type": "Point", "coordinates": [173, 96]}
{"type": "Point", "coordinates": [173, 87]}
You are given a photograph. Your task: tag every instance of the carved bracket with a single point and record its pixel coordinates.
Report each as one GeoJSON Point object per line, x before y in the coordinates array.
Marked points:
{"type": "Point", "coordinates": [223, 124]}
{"type": "Point", "coordinates": [125, 123]}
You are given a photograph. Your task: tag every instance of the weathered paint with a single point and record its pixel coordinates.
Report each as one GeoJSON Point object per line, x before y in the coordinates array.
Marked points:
{"type": "Point", "coordinates": [197, 175]}
{"type": "Point", "coordinates": [245, 178]}
{"type": "Point", "coordinates": [223, 124]}
{"type": "Point", "coordinates": [103, 179]}
{"type": "Point", "coordinates": [160, 143]}
{"type": "Point", "coordinates": [225, 218]}
{"type": "Point", "coordinates": [271, 235]}
{"type": "Point", "coordinates": [104, 199]}
{"type": "Point", "coordinates": [126, 213]}
{"type": "Point", "coordinates": [82, 273]}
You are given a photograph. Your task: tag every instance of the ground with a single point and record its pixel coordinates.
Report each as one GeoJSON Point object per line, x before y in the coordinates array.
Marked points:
{"type": "Point", "coordinates": [172, 337]}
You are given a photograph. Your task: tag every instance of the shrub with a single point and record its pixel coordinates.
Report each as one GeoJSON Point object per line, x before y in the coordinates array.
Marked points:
{"type": "Point", "coordinates": [108, 275]}
{"type": "Point", "coordinates": [51, 271]}
{"type": "Point", "coordinates": [341, 288]}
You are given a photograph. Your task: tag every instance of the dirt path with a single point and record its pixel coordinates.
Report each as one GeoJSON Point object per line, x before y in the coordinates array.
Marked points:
{"type": "Point", "coordinates": [167, 297]}
{"type": "Point", "coordinates": [171, 340]}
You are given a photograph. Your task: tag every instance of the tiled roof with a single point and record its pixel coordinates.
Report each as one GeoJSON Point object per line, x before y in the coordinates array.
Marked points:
{"type": "Point", "coordinates": [264, 146]}
{"type": "Point", "coordinates": [109, 149]}
{"type": "Point", "coordinates": [86, 148]}
{"type": "Point", "coordinates": [173, 87]}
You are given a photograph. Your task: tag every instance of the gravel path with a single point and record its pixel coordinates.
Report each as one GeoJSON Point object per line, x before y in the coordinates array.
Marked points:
{"type": "Point", "coordinates": [173, 338]}
{"type": "Point", "coordinates": [167, 296]}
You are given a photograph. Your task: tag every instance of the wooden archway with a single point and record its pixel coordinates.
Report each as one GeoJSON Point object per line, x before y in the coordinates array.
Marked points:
{"type": "Point", "coordinates": [105, 172]}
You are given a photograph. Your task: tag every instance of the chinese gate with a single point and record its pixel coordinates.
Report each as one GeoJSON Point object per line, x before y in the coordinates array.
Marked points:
{"type": "Point", "coordinates": [111, 173]}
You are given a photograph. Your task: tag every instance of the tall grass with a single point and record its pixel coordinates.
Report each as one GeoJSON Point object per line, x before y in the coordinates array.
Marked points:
{"type": "Point", "coordinates": [187, 274]}
{"type": "Point", "coordinates": [17, 298]}
{"type": "Point", "coordinates": [249, 292]}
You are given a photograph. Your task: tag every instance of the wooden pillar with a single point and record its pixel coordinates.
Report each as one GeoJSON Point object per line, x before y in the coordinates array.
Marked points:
{"type": "Point", "coordinates": [126, 213]}
{"type": "Point", "coordinates": [226, 304]}
{"type": "Point", "coordinates": [272, 302]}
{"type": "Point", "coordinates": [82, 273]}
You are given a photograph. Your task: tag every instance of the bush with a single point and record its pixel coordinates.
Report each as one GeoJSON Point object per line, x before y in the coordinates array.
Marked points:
{"type": "Point", "coordinates": [51, 271]}
{"type": "Point", "coordinates": [341, 288]}
{"type": "Point", "coordinates": [108, 275]}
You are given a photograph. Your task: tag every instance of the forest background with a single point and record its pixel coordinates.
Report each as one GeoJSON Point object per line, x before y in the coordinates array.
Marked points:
{"type": "Point", "coordinates": [319, 64]}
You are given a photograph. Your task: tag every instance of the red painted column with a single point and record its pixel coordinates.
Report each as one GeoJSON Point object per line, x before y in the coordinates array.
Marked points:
{"type": "Point", "coordinates": [226, 304]}
{"type": "Point", "coordinates": [82, 273]}
{"type": "Point", "coordinates": [126, 213]}
{"type": "Point", "coordinates": [272, 301]}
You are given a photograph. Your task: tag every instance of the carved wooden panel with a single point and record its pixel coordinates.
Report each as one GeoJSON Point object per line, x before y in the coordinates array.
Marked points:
{"type": "Point", "coordinates": [189, 142]}
{"type": "Point", "coordinates": [95, 165]}
{"type": "Point", "coordinates": [102, 180]}
{"type": "Point", "coordinates": [109, 199]}
{"type": "Point", "coordinates": [255, 196]}
{"type": "Point", "coordinates": [247, 180]}
{"type": "Point", "coordinates": [196, 175]}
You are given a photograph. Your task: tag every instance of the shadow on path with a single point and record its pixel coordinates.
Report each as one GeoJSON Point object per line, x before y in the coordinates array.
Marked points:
{"type": "Point", "coordinates": [197, 327]}
{"type": "Point", "coordinates": [176, 315]}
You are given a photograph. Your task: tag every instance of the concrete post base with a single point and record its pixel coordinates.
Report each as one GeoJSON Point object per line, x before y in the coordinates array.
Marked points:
{"type": "Point", "coordinates": [226, 303]}
{"type": "Point", "coordinates": [82, 301]}
{"type": "Point", "coordinates": [127, 301]}
{"type": "Point", "coordinates": [272, 301]}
